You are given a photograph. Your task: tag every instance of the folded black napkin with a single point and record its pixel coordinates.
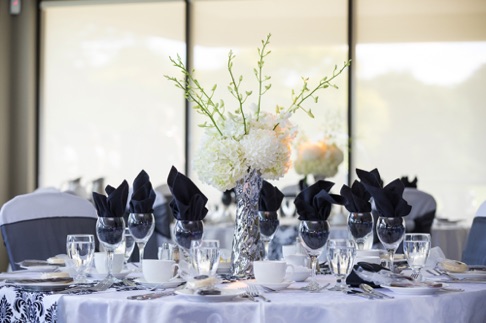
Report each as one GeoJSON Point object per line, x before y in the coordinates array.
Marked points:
{"type": "Point", "coordinates": [188, 202]}
{"type": "Point", "coordinates": [408, 183]}
{"type": "Point", "coordinates": [115, 203]}
{"type": "Point", "coordinates": [143, 196]}
{"type": "Point", "coordinates": [315, 202]}
{"type": "Point", "coordinates": [356, 198]}
{"type": "Point", "coordinates": [270, 198]}
{"type": "Point", "coordinates": [354, 280]}
{"type": "Point", "coordinates": [388, 200]}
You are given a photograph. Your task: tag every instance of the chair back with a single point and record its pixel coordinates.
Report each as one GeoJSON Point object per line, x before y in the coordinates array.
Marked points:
{"type": "Point", "coordinates": [481, 210]}
{"type": "Point", "coordinates": [35, 225]}
{"type": "Point", "coordinates": [423, 210]}
{"type": "Point", "coordinates": [475, 250]}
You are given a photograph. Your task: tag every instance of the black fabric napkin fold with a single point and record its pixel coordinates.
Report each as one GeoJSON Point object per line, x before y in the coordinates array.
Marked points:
{"type": "Point", "coordinates": [188, 202]}
{"type": "Point", "coordinates": [270, 198]}
{"type": "Point", "coordinates": [114, 204]}
{"type": "Point", "coordinates": [315, 202]}
{"type": "Point", "coordinates": [143, 196]}
{"type": "Point", "coordinates": [388, 200]}
{"type": "Point", "coordinates": [356, 198]}
{"type": "Point", "coordinates": [354, 280]}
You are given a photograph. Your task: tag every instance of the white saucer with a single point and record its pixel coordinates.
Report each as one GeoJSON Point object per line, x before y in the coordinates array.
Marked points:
{"type": "Point", "coordinates": [274, 286]}
{"type": "Point", "coordinates": [227, 294]}
{"type": "Point", "coordinates": [415, 290]}
{"type": "Point", "coordinates": [45, 269]}
{"type": "Point", "coordinates": [173, 283]}
{"type": "Point", "coordinates": [97, 276]}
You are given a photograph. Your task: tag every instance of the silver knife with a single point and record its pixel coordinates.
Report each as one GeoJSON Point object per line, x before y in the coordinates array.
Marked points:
{"type": "Point", "coordinates": [144, 297]}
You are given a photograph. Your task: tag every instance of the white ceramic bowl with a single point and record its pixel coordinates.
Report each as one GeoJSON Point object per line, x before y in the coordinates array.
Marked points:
{"type": "Point", "coordinates": [300, 274]}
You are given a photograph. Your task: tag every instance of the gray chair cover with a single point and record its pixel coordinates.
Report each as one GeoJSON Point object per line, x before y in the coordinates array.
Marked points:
{"type": "Point", "coordinates": [475, 250]}
{"type": "Point", "coordinates": [35, 225]}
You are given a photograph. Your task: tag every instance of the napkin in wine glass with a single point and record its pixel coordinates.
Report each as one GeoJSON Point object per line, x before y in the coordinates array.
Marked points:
{"type": "Point", "coordinates": [270, 198]}
{"type": "Point", "coordinates": [188, 202]}
{"type": "Point", "coordinates": [388, 200]}
{"type": "Point", "coordinates": [143, 196]}
{"type": "Point", "coordinates": [409, 183]}
{"type": "Point", "coordinates": [315, 202]}
{"type": "Point", "coordinates": [115, 203]}
{"type": "Point", "coordinates": [356, 198]}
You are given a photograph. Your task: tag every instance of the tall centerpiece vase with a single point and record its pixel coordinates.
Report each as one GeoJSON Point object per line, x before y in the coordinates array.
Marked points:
{"type": "Point", "coordinates": [246, 240]}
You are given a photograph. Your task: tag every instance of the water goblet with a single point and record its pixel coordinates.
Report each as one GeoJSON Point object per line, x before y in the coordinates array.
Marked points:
{"type": "Point", "coordinates": [268, 223]}
{"type": "Point", "coordinates": [313, 236]}
{"type": "Point", "coordinates": [416, 247]}
{"type": "Point", "coordinates": [141, 226]}
{"type": "Point", "coordinates": [80, 249]}
{"type": "Point", "coordinates": [129, 245]}
{"type": "Point", "coordinates": [205, 257]}
{"type": "Point", "coordinates": [110, 232]}
{"type": "Point", "coordinates": [340, 255]}
{"type": "Point", "coordinates": [390, 231]}
{"type": "Point", "coordinates": [360, 226]}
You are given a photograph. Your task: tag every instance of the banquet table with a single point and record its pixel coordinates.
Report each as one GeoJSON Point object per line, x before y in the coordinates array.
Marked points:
{"type": "Point", "coordinates": [288, 305]}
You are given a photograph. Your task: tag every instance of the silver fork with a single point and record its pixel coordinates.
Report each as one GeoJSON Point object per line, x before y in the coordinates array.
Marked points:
{"type": "Point", "coordinates": [253, 291]}
{"type": "Point", "coordinates": [99, 287]}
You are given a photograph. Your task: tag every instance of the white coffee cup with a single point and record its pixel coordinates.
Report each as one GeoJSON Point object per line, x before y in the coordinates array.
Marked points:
{"type": "Point", "coordinates": [100, 262]}
{"type": "Point", "coordinates": [270, 271]}
{"type": "Point", "coordinates": [297, 259]}
{"type": "Point", "coordinates": [289, 250]}
{"type": "Point", "coordinates": [159, 271]}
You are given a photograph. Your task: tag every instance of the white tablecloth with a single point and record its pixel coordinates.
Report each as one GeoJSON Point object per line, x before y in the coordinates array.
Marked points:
{"type": "Point", "coordinates": [291, 305]}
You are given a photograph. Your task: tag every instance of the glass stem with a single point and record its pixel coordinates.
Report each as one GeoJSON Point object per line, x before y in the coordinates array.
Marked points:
{"type": "Point", "coordinates": [109, 263]}
{"type": "Point", "coordinates": [391, 256]}
{"type": "Point", "coordinates": [266, 243]}
{"type": "Point", "coordinates": [313, 268]}
{"type": "Point", "coordinates": [141, 248]}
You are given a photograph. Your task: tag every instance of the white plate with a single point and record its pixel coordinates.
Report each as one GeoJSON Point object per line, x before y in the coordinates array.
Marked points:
{"type": "Point", "coordinates": [274, 286]}
{"type": "Point", "coordinates": [173, 283]}
{"type": "Point", "coordinates": [415, 290]}
{"type": "Point", "coordinates": [97, 276]}
{"type": "Point", "coordinates": [470, 274]}
{"type": "Point", "coordinates": [44, 287]}
{"type": "Point", "coordinates": [226, 295]}
{"type": "Point", "coordinates": [45, 269]}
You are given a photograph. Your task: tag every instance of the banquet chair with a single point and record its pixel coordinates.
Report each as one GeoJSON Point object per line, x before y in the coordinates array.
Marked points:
{"type": "Point", "coordinates": [35, 225]}
{"type": "Point", "coordinates": [475, 250]}
{"type": "Point", "coordinates": [423, 210]}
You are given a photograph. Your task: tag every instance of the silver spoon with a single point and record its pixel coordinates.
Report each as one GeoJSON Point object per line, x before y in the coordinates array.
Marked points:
{"type": "Point", "coordinates": [370, 290]}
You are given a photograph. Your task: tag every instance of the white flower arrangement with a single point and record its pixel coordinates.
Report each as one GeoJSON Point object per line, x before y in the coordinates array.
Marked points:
{"type": "Point", "coordinates": [234, 143]}
{"type": "Point", "coordinates": [320, 158]}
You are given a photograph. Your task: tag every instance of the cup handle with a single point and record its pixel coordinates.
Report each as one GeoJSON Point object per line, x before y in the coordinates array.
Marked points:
{"type": "Point", "coordinates": [292, 267]}
{"type": "Point", "coordinates": [176, 275]}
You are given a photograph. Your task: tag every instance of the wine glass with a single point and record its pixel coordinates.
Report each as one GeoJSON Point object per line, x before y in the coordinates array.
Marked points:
{"type": "Point", "coordinates": [390, 231]}
{"type": "Point", "coordinates": [416, 247]}
{"type": "Point", "coordinates": [129, 245]}
{"type": "Point", "coordinates": [141, 226]}
{"type": "Point", "coordinates": [185, 232]}
{"type": "Point", "coordinates": [313, 237]}
{"type": "Point", "coordinates": [80, 249]}
{"type": "Point", "coordinates": [360, 226]}
{"type": "Point", "coordinates": [268, 223]}
{"type": "Point", "coordinates": [110, 232]}
{"type": "Point", "coordinates": [340, 255]}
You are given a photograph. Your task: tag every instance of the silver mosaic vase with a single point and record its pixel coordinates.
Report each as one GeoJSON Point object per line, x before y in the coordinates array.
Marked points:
{"type": "Point", "coordinates": [247, 246]}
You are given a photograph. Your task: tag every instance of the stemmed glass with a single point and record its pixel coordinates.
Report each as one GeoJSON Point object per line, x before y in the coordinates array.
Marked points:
{"type": "Point", "coordinates": [185, 232]}
{"type": "Point", "coordinates": [416, 247]}
{"type": "Point", "coordinates": [141, 226]}
{"type": "Point", "coordinates": [268, 226]}
{"type": "Point", "coordinates": [340, 254]}
{"type": "Point", "coordinates": [129, 245]}
{"type": "Point", "coordinates": [110, 232]}
{"type": "Point", "coordinates": [390, 231]}
{"type": "Point", "coordinates": [80, 249]}
{"type": "Point", "coordinates": [313, 236]}
{"type": "Point", "coordinates": [360, 225]}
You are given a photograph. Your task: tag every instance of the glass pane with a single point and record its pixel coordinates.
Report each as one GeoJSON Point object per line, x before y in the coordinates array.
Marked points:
{"type": "Point", "coordinates": [419, 111]}
{"type": "Point", "coordinates": [106, 109]}
{"type": "Point", "coordinates": [308, 39]}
